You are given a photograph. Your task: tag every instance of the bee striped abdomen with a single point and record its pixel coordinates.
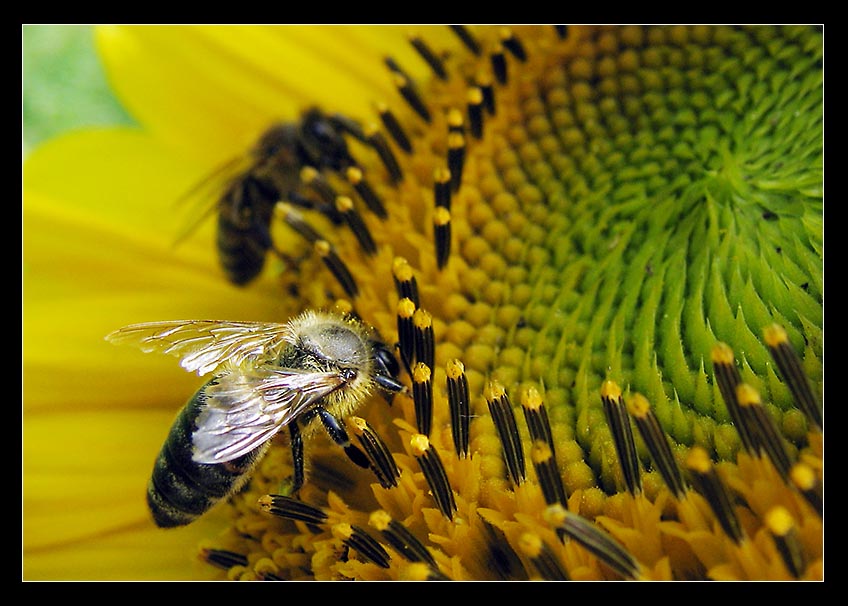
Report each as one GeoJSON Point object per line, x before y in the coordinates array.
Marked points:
{"type": "Point", "coordinates": [180, 489]}
{"type": "Point", "coordinates": [244, 238]}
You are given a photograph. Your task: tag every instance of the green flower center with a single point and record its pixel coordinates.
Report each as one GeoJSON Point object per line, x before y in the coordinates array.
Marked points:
{"type": "Point", "coordinates": [655, 192]}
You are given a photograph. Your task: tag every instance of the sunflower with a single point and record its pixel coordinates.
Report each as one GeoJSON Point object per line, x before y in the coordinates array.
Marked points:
{"type": "Point", "coordinates": [597, 249]}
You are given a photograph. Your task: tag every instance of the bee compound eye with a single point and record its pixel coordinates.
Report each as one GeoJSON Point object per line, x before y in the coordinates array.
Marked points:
{"type": "Point", "coordinates": [324, 133]}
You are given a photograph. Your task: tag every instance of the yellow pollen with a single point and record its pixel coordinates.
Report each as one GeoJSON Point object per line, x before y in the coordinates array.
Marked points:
{"type": "Point", "coordinates": [282, 210]}
{"type": "Point", "coordinates": [779, 520]}
{"type": "Point", "coordinates": [698, 460]}
{"type": "Point", "coordinates": [342, 531]}
{"type": "Point", "coordinates": [775, 335]}
{"type": "Point", "coordinates": [358, 424]}
{"type": "Point", "coordinates": [422, 319]}
{"type": "Point", "coordinates": [441, 216]}
{"type": "Point", "coordinates": [401, 269]}
{"type": "Point", "coordinates": [354, 175]}
{"type": "Point", "coordinates": [530, 544]}
{"type": "Point", "coordinates": [531, 398]}
{"type": "Point", "coordinates": [344, 203]}
{"type": "Point", "coordinates": [803, 476]}
{"type": "Point", "coordinates": [322, 247]}
{"type": "Point", "coordinates": [555, 515]}
{"type": "Point", "coordinates": [454, 369]}
{"type": "Point", "coordinates": [494, 391]}
{"type": "Point", "coordinates": [420, 444]}
{"type": "Point", "coordinates": [416, 571]}
{"type": "Point", "coordinates": [308, 174]}
{"type": "Point", "coordinates": [455, 118]}
{"type": "Point", "coordinates": [379, 519]}
{"type": "Point", "coordinates": [611, 390]}
{"type": "Point", "coordinates": [722, 354]}
{"type": "Point", "coordinates": [638, 405]}
{"type": "Point", "coordinates": [399, 80]}
{"type": "Point", "coordinates": [421, 372]}
{"type": "Point", "coordinates": [406, 308]}
{"type": "Point", "coordinates": [541, 452]}
{"type": "Point", "coordinates": [748, 396]}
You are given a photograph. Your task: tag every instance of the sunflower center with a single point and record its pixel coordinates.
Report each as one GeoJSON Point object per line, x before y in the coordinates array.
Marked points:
{"type": "Point", "coordinates": [626, 198]}
{"type": "Point", "coordinates": [635, 196]}
{"type": "Point", "coordinates": [604, 205]}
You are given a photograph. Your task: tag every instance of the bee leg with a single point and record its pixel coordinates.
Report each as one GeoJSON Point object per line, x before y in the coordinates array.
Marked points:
{"type": "Point", "coordinates": [348, 125]}
{"type": "Point", "coordinates": [291, 485]}
{"type": "Point", "coordinates": [340, 437]}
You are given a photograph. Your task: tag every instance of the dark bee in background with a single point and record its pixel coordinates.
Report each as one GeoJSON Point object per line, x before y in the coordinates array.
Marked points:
{"type": "Point", "coordinates": [246, 208]}
{"type": "Point", "coordinates": [266, 377]}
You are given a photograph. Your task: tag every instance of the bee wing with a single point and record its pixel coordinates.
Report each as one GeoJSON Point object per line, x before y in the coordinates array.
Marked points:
{"type": "Point", "coordinates": [245, 409]}
{"type": "Point", "coordinates": [204, 345]}
{"type": "Point", "coordinates": [201, 200]}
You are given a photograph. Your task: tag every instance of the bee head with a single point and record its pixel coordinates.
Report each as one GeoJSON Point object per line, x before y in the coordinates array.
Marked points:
{"type": "Point", "coordinates": [278, 139]}
{"type": "Point", "coordinates": [322, 141]}
{"type": "Point", "coordinates": [330, 343]}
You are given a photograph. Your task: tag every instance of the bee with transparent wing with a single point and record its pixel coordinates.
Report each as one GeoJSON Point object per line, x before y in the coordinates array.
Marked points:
{"type": "Point", "coordinates": [265, 377]}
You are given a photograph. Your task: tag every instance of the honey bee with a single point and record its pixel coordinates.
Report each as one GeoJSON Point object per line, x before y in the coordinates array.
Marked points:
{"type": "Point", "coordinates": [270, 173]}
{"type": "Point", "coordinates": [265, 377]}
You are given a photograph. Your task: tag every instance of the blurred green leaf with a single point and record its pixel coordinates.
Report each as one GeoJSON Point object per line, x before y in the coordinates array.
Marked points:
{"type": "Point", "coordinates": [63, 84]}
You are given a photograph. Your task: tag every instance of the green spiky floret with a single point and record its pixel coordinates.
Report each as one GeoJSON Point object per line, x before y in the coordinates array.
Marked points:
{"type": "Point", "coordinates": [670, 182]}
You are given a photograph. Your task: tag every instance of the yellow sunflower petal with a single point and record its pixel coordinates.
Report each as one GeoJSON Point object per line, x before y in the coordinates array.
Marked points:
{"type": "Point", "coordinates": [179, 80]}
{"type": "Point", "coordinates": [138, 554]}
{"type": "Point", "coordinates": [83, 495]}
{"type": "Point", "coordinates": [85, 472]}
{"type": "Point", "coordinates": [84, 511]}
